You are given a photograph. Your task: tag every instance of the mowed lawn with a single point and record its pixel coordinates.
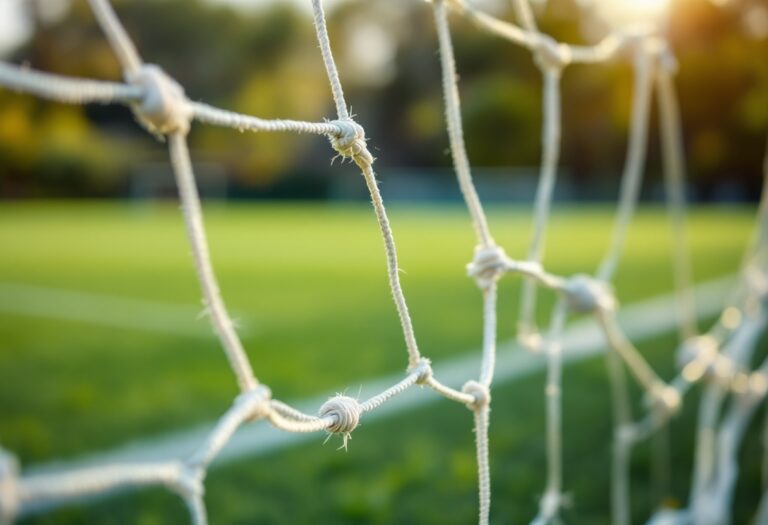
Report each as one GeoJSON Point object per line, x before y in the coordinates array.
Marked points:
{"type": "Point", "coordinates": [308, 284]}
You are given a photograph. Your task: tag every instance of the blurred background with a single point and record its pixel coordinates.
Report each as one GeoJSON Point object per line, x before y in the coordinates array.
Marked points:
{"type": "Point", "coordinates": [260, 58]}
{"type": "Point", "coordinates": [101, 338]}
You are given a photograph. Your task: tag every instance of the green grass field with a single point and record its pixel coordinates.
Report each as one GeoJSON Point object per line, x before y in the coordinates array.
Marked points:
{"type": "Point", "coordinates": [309, 285]}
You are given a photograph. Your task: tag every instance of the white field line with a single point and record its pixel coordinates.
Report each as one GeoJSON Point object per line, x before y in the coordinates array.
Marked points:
{"type": "Point", "coordinates": [582, 339]}
{"type": "Point", "coordinates": [104, 310]}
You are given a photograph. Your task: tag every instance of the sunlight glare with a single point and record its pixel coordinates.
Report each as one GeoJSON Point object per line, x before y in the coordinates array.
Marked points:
{"type": "Point", "coordinates": [624, 13]}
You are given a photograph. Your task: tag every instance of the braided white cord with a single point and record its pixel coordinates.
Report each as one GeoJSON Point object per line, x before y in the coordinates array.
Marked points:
{"type": "Point", "coordinates": [53, 488]}
{"type": "Point", "coordinates": [552, 498]}
{"type": "Point", "coordinates": [482, 421]}
{"type": "Point", "coordinates": [674, 177]}
{"type": "Point", "coordinates": [620, 452]}
{"type": "Point", "coordinates": [455, 128]}
{"type": "Point", "coordinates": [527, 330]}
{"type": "Point", "coordinates": [603, 51]}
{"type": "Point", "coordinates": [214, 304]}
{"type": "Point", "coordinates": [118, 38]}
{"type": "Point", "coordinates": [65, 89]}
{"type": "Point", "coordinates": [524, 13]}
{"type": "Point", "coordinates": [635, 162]}
{"type": "Point", "coordinates": [488, 362]}
{"type": "Point", "coordinates": [221, 117]}
{"type": "Point", "coordinates": [321, 29]}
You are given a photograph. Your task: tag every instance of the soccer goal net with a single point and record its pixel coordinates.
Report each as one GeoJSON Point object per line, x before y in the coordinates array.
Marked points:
{"type": "Point", "coordinates": [719, 360]}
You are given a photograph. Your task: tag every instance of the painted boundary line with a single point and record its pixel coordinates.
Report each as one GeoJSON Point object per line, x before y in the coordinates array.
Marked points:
{"type": "Point", "coordinates": [106, 310]}
{"type": "Point", "coordinates": [582, 339]}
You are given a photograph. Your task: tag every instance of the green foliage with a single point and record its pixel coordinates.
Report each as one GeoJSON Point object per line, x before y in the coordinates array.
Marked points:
{"type": "Point", "coordinates": [264, 61]}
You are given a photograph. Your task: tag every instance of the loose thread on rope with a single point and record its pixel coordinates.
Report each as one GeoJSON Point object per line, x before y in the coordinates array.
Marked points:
{"type": "Point", "coordinates": [345, 412]}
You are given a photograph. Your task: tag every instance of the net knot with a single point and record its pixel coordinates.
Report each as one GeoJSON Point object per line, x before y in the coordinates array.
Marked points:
{"type": "Point", "coordinates": [424, 368]}
{"type": "Point", "coordinates": [258, 399]}
{"type": "Point", "coordinates": [480, 392]}
{"type": "Point", "coordinates": [549, 54]}
{"type": "Point", "coordinates": [190, 482]}
{"type": "Point", "coordinates": [349, 141]}
{"type": "Point", "coordinates": [665, 398]}
{"type": "Point", "coordinates": [345, 412]}
{"type": "Point", "coordinates": [163, 109]}
{"type": "Point", "coordinates": [697, 356]}
{"type": "Point", "coordinates": [488, 265]}
{"type": "Point", "coordinates": [585, 294]}
{"type": "Point", "coordinates": [9, 471]}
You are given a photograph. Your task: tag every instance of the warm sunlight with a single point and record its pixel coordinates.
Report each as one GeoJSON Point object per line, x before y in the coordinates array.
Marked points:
{"type": "Point", "coordinates": [624, 13]}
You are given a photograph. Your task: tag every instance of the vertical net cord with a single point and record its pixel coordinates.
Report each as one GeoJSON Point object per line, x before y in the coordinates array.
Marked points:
{"type": "Point", "coordinates": [674, 178]}
{"type": "Point", "coordinates": [392, 265]}
{"type": "Point", "coordinates": [215, 307]}
{"type": "Point", "coordinates": [364, 161]}
{"type": "Point", "coordinates": [455, 128]}
{"type": "Point", "coordinates": [631, 178]}
{"type": "Point", "coordinates": [712, 508]}
{"type": "Point", "coordinates": [551, 139]}
{"type": "Point", "coordinates": [482, 421]}
{"type": "Point", "coordinates": [714, 396]}
{"type": "Point", "coordinates": [196, 508]}
{"type": "Point", "coordinates": [118, 38]}
{"type": "Point", "coordinates": [524, 14]}
{"type": "Point", "coordinates": [552, 499]}
{"type": "Point", "coordinates": [480, 224]}
{"type": "Point", "coordinates": [321, 29]}
{"type": "Point", "coordinates": [488, 363]}
{"type": "Point", "coordinates": [622, 418]}
{"type": "Point", "coordinates": [635, 163]}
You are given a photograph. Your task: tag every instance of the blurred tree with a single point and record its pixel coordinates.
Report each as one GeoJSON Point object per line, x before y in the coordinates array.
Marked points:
{"type": "Point", "coordinates": [265, 62]}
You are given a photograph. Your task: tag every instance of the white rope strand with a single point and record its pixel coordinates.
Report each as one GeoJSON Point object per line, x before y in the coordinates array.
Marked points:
{"type": "Point", "coordinates": [488, 363]}
{"type": "Point", "coordinates": [552, 498]}
{"type": "Point", "coordinates": [674, 176]}
{"type": "Point", "coordinates": [527, 328]}
{"type": "Point", "coordinates": [321, 29]}
{"type": "Point", "coordinates": [524, 14]}
{"type": "Point", "coordinates": [392, 265]}
{"type": "Point", "coordinates": [214, 304]}
{"type": "Point", "coordinates": [118, 38]}
{"type": "Point", "coordinates": [635, 161]}
{"type": "Point", "coordinates": [65, 89]}
{"type": "Point", "coordinates": [230, 119]}
{"type": "Point", "coordinates": [482, 420]}
{"type": "Point", "coordinates": [455, 128]}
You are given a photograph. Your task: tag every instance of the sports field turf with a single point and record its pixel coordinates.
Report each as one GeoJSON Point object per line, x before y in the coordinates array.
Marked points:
{"type": "Point", "coordinates": [308, 283]}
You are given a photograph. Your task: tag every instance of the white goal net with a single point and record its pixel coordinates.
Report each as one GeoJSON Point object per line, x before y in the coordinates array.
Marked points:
{"type": "Point", "coordinates": [719, 359]}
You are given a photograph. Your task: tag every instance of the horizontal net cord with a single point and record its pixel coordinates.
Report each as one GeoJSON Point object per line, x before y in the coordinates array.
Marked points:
{"type": "Point", "coordinates": [606, 49]}
{"type": "Point", "coordinates": [66, 89]}
{"type": "Point", "coordinates": [230, 119]}
{"type": "Point", "coordinates": [42, 490]}
{"type": "Point", "coordinates": [83, 91]}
